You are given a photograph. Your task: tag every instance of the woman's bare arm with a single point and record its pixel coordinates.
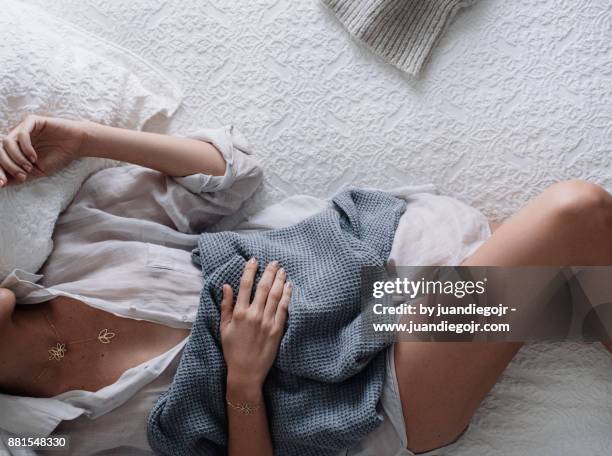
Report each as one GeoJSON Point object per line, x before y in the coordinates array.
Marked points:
{"type": "Point", "coordinates": [171, 155]}
{"type": "Point", "coordinates": [40, 146]}
{"type": "Point", "coordinates": [248, 432]}
{"type": "Point", "coordinates": [250, 337]}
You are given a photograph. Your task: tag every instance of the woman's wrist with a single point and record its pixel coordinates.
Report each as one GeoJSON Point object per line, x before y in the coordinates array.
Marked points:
{"type": "Point", "coordinates": [240, 389]}
{"type": "Point", "coordinates": [88, 131]}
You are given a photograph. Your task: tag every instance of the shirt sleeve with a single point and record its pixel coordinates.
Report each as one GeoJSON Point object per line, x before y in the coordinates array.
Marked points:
{"type": "Point", "coordinates": [223, 195]}
{"type": "Point", "coordinates": [128, 198]}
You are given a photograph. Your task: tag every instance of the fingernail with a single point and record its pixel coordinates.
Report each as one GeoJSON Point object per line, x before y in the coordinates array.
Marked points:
{"type": "Point", "coordinates": [289, 285]}
{"type": "Point", "coordinates": [281, 271]}
{"type": "Point", "coordinates": [28, 168]}
{"type": "Point", "coordinates": [252, 260]}
{"type": "Point", "coordinates": [274, 264]}
{"type": "Point", "coordinates": [2, 183]}
{"type": "Point", "coordinates": [33, 158]}
{"type": "Point", "coordinates": [21, 176]}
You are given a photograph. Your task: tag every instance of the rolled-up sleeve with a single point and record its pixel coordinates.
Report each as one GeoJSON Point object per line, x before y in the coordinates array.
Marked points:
{"type": "Point", "coordinates": [223, 195]}
{"type": "Point", "coordinates": [241, 168]}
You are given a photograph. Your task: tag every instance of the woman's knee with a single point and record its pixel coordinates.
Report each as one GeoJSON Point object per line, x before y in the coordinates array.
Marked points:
{"type": "Point", "coordinates": [581, 202]}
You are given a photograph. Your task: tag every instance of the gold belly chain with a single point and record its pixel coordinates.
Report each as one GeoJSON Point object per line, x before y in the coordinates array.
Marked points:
{"type": "Point", "coordinates": [59, 350]}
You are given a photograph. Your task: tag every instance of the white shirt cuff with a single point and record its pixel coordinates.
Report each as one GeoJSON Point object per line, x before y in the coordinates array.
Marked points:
{"type": "Point", "coordinates": [231, 143]}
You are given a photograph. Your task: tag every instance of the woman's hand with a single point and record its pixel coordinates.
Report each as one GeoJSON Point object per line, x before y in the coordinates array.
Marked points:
{"type": "Point", "coordinates": [251, 331]}
{"type": "Point", "coordinates": [39, 146]}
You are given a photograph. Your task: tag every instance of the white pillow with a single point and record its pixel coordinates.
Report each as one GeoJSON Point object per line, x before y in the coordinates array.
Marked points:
{"type": "Point", "coordinates": [50, 67]}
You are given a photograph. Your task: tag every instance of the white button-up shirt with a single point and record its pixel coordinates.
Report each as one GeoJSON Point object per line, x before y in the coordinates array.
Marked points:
{"type": "Point", "coordinates": [124, 246]}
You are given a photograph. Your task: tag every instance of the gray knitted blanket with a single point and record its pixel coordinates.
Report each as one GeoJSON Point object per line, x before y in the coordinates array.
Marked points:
{"type": "Point", "coordinates": [402, 32]}
{"type": "Point", "coordinates": [322, 392]}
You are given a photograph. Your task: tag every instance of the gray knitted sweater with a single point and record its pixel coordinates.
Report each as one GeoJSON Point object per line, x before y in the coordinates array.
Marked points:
{"type": "Point", "coordinates": [322, 392]}
{"type": "Point", "coordinates": [402, 32]}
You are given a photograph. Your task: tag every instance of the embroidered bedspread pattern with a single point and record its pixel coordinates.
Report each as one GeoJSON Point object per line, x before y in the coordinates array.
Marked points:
{"type": "Point", "coordinates": [516, 96]}
{"type": "Point", "coordinates": [323, 390]}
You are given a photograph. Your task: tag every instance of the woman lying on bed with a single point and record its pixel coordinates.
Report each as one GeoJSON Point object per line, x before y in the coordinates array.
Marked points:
{"type": "Point", "coordinates": [106, 325]}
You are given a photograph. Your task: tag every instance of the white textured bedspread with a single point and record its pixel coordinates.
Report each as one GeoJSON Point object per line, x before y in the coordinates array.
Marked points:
{"type": "Point", "coordinates": [516, 96]}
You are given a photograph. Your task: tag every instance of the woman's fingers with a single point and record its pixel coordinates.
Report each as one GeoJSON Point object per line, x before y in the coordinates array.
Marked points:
{"type": "Point", "coordinates": [268, 293]}
{"type": "Point", "coordinates": [263, 288]}
{"type": "Point", "coordinates": [275, 295]}
{"type": "Point", "coordinates": [9, 166]}
{"type": "Point", "coordinates": [25, 142]}
{"type": "Point", "coordinates": [3, 178]}
{"type": "Point", "coordinates": [246, 284]}
{"type": "Point", "coordinates": [227, 305]}
{"type": "Point", "coordinates": [17, 154]}
{"type": "Point", "coordinates": [12, 148]}
{"type": "Point", "coordinates": [283, 309]}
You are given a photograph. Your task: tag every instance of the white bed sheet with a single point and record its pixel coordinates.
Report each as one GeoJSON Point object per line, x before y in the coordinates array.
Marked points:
{"type": "Point", "coordinates": [516, 96]}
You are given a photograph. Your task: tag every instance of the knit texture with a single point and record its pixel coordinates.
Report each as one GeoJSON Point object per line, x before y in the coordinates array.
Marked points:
{"type": "Point", "coordinates": [402, 32]}
{"type": "Point", "coordinates": [322, 392]}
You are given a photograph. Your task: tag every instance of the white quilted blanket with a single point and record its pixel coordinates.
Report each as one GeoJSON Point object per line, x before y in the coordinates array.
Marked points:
{"type": "Point", "coordinates": [516, 96]}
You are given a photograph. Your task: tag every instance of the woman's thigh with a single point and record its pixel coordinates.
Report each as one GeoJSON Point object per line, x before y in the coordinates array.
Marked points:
{"type": "Point", "coordinates": [442, 384]}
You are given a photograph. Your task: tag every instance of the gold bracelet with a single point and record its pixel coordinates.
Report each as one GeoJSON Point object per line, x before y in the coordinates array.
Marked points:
{"type": "Point", "coordinates": [244, 407]}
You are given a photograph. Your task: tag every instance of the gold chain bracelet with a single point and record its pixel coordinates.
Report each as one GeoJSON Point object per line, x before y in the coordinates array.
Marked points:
{"type": "Point", "coordinates": [244, 407]}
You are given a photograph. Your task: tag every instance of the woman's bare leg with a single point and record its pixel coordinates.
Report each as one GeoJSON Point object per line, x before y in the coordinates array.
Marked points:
{"type": "Point", "coordinates": [442, 384]}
